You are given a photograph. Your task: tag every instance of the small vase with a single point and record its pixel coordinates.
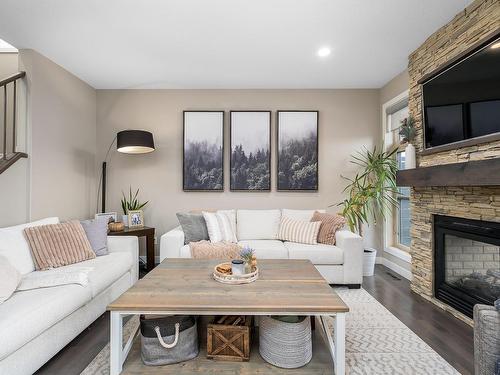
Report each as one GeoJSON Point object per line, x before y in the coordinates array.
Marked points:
{"type": "Point", "coordinates": [125, 220]}
{"type": "Point", "coordinates": [248, 267]}
{"type": "Point", "coordinates": [410, 162]}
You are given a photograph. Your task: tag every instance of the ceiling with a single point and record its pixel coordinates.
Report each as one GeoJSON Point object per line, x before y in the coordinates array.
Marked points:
{"type": "Point", "coordinates": [226, 43]}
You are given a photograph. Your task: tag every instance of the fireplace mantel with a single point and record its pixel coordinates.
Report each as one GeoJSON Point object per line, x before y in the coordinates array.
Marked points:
{"type": "Point", "coordinates": [471, 173]}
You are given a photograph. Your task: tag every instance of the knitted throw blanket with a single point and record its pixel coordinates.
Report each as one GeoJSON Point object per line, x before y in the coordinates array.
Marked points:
{"type": "Point", "coordinates": [218, 250]}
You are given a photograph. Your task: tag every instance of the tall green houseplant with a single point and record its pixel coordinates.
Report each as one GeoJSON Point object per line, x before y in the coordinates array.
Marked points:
{"type": "Point", "coordinates": [372, 191]}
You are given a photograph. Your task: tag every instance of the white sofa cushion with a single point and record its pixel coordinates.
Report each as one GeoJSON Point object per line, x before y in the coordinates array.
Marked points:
{"type": "Point", "coordinates": [15, 248]}
{"type": "Point", "coordinates": [258, 224]}
{"type": "Point", "coordinates": [106, 269]}
{"type": "Point", "coordinates": [267, 249]}
{"type": "Point", "coordinates": [302, 215]}
{"type": "Point", "coordinates": [9, 279]}
{"type": "Point", "coordinates": [26, 314]}
{"type": "Point", "coordinates": [317, 254]}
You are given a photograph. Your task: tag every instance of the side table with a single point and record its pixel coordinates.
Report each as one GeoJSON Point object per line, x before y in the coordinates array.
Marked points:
{"type": "Point", "coordinates": [147, 232]}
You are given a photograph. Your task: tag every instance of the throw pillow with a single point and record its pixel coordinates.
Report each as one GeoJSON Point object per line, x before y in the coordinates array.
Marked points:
{"type": "Point", "coordinates": [10, 278]}
{"type": "Point", "coordinates": [58, 245]}
{"type": "Point", "coordinates": [97, 234]}
{"type": "Point", "coordinates": [15, 248]}
{"type": "Point", "coordinates": [193, 226]}
{"type": "Point", "coordinates": [330, 224]}
{"type": "Point", "coordinates": [299, 231]}
{"type": "Point", "coordinates": [219, 227]}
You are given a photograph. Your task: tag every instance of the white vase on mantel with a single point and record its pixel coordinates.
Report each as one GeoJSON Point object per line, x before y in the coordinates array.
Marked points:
{"type": "Point", "coordinates": [410, 157]}
{"type": "Point", "coordinates": [125, 220]}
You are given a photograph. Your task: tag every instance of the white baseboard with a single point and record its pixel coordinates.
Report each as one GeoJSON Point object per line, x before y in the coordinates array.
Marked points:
{"type": "Point", "coordinates": [394, 267]}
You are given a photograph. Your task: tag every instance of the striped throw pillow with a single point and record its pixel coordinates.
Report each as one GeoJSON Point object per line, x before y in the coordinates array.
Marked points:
{"type": "Point", "coordinates": [330, 224]}
{"type": "Point", "coordinates": [299, 231]}
{"type": "Point", "coordinates": [219, 227]}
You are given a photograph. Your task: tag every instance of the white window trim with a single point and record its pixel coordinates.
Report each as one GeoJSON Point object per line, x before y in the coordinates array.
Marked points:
{"type": "Point", "coordinates": [401, 251]}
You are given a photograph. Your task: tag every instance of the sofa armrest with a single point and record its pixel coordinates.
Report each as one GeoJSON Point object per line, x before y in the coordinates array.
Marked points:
{"type": "Point", "coordinates": [352, 245]}
{"type": "Point", "coordinates": [126, 244]}
{"type": "Point", "coordinates": [171, 243]}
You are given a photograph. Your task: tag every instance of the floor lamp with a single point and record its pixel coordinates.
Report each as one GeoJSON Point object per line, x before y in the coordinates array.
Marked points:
{"type": "Point", "coordinates": [127, 142]}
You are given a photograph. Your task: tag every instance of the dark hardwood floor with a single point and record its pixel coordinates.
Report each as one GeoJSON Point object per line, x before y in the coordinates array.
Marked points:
{"type": "Point", "coordinates": [448, 336]}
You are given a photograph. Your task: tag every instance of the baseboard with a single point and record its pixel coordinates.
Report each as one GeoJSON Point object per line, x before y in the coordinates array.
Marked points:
{"type": "Point", "coordinates": [394, 267]}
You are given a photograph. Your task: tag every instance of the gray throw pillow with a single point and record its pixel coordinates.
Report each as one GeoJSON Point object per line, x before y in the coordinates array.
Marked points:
{"type": "Point", "coordinates": [193, 226]}
{"type": "Point", "coordinates": [97, 234]}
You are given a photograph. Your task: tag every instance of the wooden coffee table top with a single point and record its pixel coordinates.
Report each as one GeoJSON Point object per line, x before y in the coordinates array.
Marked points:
{"type": "Point", "coordinates": [285, 286]}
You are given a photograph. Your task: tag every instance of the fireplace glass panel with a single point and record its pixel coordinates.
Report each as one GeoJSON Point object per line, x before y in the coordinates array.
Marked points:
{"type": "Point", "coordinates": [472, 266]}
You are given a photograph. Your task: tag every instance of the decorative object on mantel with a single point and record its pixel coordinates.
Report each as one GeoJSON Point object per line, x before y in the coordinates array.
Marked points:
{"type": "Point", "coordinates": [408, 132]}
{"type": "Point", "coordinates": [223, 274]}
{"type": "Point", "coordinates": [131, 203]}
{"type": "Point", "coordinates": [127, 142]}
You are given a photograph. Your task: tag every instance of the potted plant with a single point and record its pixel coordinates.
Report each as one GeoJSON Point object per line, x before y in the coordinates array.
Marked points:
{"type": "Point", "coordinates": [370, 194]}
{"type": "Point", "coordinates": [408, 132]}
{"type": "Point", "coordinates": [130, 203]}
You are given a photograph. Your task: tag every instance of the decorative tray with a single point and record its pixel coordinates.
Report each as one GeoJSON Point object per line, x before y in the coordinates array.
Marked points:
{"type": "Point", "coordinates": [222, 274]}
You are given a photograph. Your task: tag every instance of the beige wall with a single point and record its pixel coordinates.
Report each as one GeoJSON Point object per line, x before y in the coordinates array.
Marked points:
{"type": "Point", "coordinates": [348, 121]}
{"type": "Point", "coordinates": [8, 64]}
{"type": "Point", "coordinates": [62, 139]}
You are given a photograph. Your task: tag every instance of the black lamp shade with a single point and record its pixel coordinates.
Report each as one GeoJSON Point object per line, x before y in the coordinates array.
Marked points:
{"type": "Point", "coordinates": [135, 142]}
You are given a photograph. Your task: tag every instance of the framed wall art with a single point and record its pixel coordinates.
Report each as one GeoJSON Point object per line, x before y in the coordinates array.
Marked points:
{"type": "Point", "coordinates": [297, 150]}
{"type": "Point", "coordinates": [250, 145]}
{"type": "Point", "coordinates": [203, 151]}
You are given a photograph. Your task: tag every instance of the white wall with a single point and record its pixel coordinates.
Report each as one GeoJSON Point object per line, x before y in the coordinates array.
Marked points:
{"type": "Point", "coordinates": [348, 121]}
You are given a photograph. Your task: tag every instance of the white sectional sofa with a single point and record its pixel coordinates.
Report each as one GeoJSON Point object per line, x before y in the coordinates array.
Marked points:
{"type": "Point", "coordinates": [339, 264]}
{"type": "Point", "coordinates": [35, 324]}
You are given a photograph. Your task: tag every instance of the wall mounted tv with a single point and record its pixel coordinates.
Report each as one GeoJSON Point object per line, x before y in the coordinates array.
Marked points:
{"type": "Point", "coordinates": [463, 101]}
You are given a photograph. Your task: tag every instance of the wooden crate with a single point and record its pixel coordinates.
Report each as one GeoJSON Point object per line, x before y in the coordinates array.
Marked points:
{"type": "Point", "coordinates": [228, 338]}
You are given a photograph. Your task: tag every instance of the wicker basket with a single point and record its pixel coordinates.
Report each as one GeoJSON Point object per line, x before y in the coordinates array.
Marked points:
{"type": "Point", "coordinates": [228, 338]}
{"type": "Point", "coordinates": [285, 345]}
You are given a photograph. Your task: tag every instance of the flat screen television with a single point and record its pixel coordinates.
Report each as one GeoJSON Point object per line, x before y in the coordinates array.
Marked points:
{"type": "Point", "coordinates": [463, 101]}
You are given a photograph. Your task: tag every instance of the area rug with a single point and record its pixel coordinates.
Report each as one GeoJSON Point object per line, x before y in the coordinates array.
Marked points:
{"type": "Point", "coordinates": [376, 342]}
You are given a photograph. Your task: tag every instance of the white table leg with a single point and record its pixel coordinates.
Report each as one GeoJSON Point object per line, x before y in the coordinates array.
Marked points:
{"type": "Point", "coordinates": [339, 341]}
{"type": "Point", "coordinates": [115, 343]}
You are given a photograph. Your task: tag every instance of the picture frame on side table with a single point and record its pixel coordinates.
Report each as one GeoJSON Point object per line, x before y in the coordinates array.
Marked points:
{"type": "Point", "coordinates": [297, 137]}
{"type": "Point", "coordinates": [203, 151]}
{"type": "Point", "coordinates": [109, 215]}
{"type": "Point", "coordinates": [135, 219]}
{"type": "Point", "coordinates": [250, 145]}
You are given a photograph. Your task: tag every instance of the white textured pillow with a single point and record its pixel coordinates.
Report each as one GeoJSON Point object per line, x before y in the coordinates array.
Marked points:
{"type": "Point", "coordinates": [9, 279]}
{"type": "Point", "coordinates": [303, 215]}
{"type": "Point", "coordinates": [231, 214]}
{"type": "Point", "coordinates": [219, 227]}
{"type": "Point", "coordinates": [258, 224]}
{"type": "Point", "coordinates": [14, 246]}
{"type": "Point", "coordinates": [55, 277]}
{"type": "Point", "coordinates": [299, 231]}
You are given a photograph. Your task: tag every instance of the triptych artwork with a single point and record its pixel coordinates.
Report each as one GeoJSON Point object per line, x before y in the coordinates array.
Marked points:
{"type": "Point", "coordinates": [250, 150]}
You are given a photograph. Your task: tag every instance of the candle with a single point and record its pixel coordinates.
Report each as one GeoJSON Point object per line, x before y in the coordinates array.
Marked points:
{"type": "Point", "coordinates": [237, 267]}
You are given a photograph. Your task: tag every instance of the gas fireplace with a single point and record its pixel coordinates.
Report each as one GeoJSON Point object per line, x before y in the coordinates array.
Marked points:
{"type": "Point", "coordinates": [466, 262]}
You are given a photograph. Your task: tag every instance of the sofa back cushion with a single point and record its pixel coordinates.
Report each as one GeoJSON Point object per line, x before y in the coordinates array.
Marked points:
{"type": "Point", "coordinates": [57, 245]}
{"type": "Point", "coordinates": [15, 248]}
{"type": "Point", "coordinates": [258, 224]}
{"type": "Point", "coordinates": [302, 215]}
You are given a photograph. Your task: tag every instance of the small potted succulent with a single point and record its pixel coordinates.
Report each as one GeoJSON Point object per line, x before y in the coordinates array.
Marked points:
{"type": "Point", "coordinates": [131, 203]}
{"type": "Point", "coordinates": [247, 254]}
{"type": "Point", "coordinates": [408, 132]}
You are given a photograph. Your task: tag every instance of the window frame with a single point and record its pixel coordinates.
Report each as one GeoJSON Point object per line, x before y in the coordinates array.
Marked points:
{"type": "Point", "coordinates": [391, 224]}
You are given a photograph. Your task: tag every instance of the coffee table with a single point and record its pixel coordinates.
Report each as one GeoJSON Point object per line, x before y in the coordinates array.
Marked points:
{"type": "Point", "coordinates": [186, 286]}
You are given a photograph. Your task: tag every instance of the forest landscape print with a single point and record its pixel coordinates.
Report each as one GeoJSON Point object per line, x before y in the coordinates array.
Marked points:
{"type": "Point", "coordinates": [203, 151]}
{"type": "Point", "coordinates": [297, 150]}
{"type": "Point", "coordinates": [250, 150]}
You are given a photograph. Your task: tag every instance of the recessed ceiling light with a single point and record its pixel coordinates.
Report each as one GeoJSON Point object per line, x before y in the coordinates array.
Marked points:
{"type": "Point", "coordinates": [495, 45]}
{"type": "Point", "coordinates": [324, 51]}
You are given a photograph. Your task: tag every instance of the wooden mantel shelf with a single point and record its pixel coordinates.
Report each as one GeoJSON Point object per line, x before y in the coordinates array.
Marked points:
{"type": "Point", "coordinates": [472, 173]}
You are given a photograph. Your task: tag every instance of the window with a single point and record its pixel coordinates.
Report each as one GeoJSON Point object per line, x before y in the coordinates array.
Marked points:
{"type": "Point", "coordinates": [397, 230]}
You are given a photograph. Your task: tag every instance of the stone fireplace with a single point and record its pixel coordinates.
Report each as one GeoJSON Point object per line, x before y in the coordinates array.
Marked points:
{"type": "Point", "coordinates": [480, 203]}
